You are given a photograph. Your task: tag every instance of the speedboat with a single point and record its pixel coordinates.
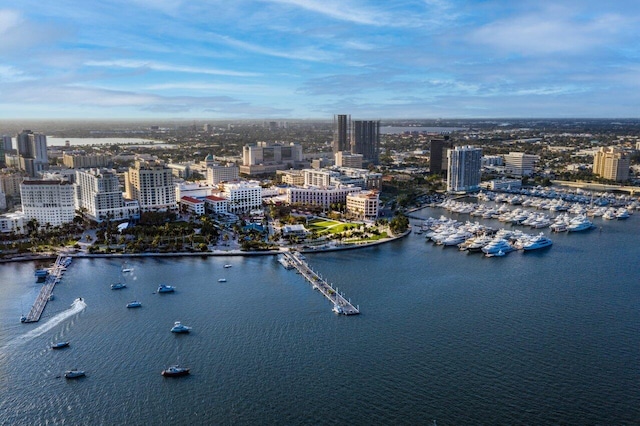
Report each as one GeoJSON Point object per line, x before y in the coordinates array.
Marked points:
{"type": "Point", "coordinates": [59, 345]}
{"type": "Point", "coordinates": [178, 327]}
{"type": "Point", "coordinates": [164, 288]}
{"type": "Point", "coordinates": [175, 371]}
{"type": "Point", "coordinates": [118, 286]}
{"type": "Point", "coordinates": [134, 304]}
{"type": "Point", "coordinates": [537, 243]}
{"type": "Point", "coordinates": [73, 374]}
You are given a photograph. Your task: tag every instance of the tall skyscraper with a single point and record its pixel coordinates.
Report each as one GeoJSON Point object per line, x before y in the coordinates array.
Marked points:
{"type": "Point", "coordinates": [438, 154]}
{"type": "Point", "coordinates": [463, 168]}
{"type": "Point", "coordinates": [341, 133]}
{"type": "Point", "coordinates": [366, 140]}
{"type": "Point", "coordinates": [151, 183]}
{"type": "Point", "coordinates": [32, 150]}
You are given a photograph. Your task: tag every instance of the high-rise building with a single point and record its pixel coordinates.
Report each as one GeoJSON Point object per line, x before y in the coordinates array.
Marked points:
{"type": "Point", "coordinates": [519, 163]}
{"type": "Point", "coordinates": [32, 150]}
{"type": "Point", "coordinates": [365, 140]}
{"type": "Point", "coordinates": [7, 143]}
{"type": "Point", "coordinates": [98, 192]}
{"type": "Point", "coordinates": [265, 157]}
{"type": "Point", "coordinates": [218, 173]}
{"type": "Point", "coordinates": [438, 156]}
{"type": "Point", "coordinates": [151, 183]}
{"type": "Point", "coordinates": [612, 163]}
{"type": "Point", "coordinates": [48, 201]}
{"type": "Point", "coordinates": [463, 168]}
{"type": "Point", "coordinates": [341, 133]}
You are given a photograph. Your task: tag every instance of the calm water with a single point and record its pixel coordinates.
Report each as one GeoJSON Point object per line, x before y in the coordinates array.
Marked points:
{"type": "Point", "coordinates": [538, 338]}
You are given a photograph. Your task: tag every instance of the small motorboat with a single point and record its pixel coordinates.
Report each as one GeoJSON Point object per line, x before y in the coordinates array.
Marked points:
{"type": "Point", "coordinates": [74, 374]}
{"type": "Point", "coordinates": [134, 304]}
{"type": "Point", "coordinates": [222, 280]}
{"type": "Point", "coordinates": [164, 288]}
{"type": "Point", "coordinates": [228, 266]}
{"type": "Point", "coordinates": [175, 371]}
{"type": "Point", "coordinates": [118, 286]}
{"type": "Point", "coordinates": [60, 345]}
{"type": "Point", "coordinates": [178, 327]}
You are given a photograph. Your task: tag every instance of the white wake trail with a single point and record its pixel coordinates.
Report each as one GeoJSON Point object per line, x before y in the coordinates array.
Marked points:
{"type": "Point", "coordinates": [77, 306]}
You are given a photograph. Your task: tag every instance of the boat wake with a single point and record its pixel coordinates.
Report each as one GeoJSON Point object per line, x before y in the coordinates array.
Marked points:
{"type": "Point", "coordinates": [77, 306]}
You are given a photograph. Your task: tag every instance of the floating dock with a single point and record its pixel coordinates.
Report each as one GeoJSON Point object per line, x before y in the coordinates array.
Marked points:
{"type": "Point", "coordinates": [55, 273]}
{"type": "Point", "coordinates": [340, 304]}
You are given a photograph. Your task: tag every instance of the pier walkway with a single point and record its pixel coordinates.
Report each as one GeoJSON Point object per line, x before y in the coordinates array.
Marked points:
{"type": "Point", "coordinates": [55, 273]}
{"type": "Point", "coordinates": [340, 304]}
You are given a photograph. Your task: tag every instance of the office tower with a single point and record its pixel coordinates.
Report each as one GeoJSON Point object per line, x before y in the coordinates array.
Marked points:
{"type": "Point", "coordinates": [463, 168]}
{"type": "Point", "coordinates": [6, 143]}
{"type": "Point", "coordinates": [612, 163]}
{"type": "Point", "coordinates": [438, 154]}
{"type": "Point", "coordinates": [98, 192]}
{"type": "Point", "coordinates": [519, 163]}
{"type": "Point", "coordinates": [366, 140]}
{"type": "Point", "coordinates": [32, 150]}
{"type": "Point", "coordinates": [341, 133]}
{"type": "Point", "coordinates": [151, 183]}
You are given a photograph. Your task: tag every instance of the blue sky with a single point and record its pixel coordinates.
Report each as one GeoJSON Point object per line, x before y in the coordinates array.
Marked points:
{"type": "Point", "coordinates": [239, 59]}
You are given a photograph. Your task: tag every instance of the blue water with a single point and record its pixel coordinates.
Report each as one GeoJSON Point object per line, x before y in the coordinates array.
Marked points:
{"type": "Point", "coordinates": [550, 337]}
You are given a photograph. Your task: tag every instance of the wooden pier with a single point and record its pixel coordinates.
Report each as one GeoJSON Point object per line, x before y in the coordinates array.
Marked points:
{"type": "Point", "coordinates": [340, 304]}
{"type": "Point", "coordinates": [55, 273]}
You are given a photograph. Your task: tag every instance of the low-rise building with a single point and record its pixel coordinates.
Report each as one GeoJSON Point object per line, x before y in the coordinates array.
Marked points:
{"type": "Point", "coordinates": [364, 204]}
{"type": "Point", "coordinates": [192, 205]}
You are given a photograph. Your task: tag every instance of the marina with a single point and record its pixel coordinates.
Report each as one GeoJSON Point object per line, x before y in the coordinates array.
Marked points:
{"type": "Point", "coordinates": [341, 305]}
{"type": "Point", "coordinates": [46, 292]}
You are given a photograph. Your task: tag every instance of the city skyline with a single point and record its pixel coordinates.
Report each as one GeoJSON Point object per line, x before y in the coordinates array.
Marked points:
{"type": "Point", "coordinates": [254, 59]}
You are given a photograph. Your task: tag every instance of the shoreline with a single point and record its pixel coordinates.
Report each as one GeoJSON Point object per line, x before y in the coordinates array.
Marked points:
{"type": "Point", "coordinates": [214, 253]}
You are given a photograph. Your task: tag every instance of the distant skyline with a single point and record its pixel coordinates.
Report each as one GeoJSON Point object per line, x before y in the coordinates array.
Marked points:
{"type": "Point", "coordinates": [279, 59]}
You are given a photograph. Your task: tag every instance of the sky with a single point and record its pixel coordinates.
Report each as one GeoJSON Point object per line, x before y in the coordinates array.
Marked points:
{"type": "Point", "coordinates": [310, 59]}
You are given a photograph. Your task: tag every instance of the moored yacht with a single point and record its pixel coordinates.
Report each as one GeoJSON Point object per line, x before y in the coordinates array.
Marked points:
{"type": "Point", "coordinates": [175, 371]}
{"type": "Point", "coordinates": [59, 345]}
{"type": "Point", "coordinates": [495, 246]}
{"type": "Point", "coordinates": [134, 304]}
{"type": "Point", "coordinates": [118, 286]}
{"type": "Point", "coordinates": [165, 288]}
{"type": "Point", "coordinates": [74, 374]}
{"type": "Point", "coordinates": [537, 242]}
{"type": "Point", "coordinates": [579, 223]}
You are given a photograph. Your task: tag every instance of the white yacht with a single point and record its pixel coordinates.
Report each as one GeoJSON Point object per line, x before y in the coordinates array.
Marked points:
{"type": "Point", "coordinates": [622, 214]}
{"type": "Point", "coordinates": [497, 245]}
{"type": "Point", "coordinates": [579, 223]}
{"type": "Point", "coordinates": [178, 327]}
{"type": "Point", "coordinates": [164, 288]}
{"type": "Point", "coordinates": [134, 304]}
{"type": "Point", "coordinates": [222, 280]}
{"type": "Point", "coordinates": [537, 242]}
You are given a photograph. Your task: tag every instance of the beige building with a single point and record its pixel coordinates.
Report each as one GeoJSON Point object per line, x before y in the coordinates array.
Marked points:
{"type": "Point", "coordinates": [80, 161]}
{"type": "Point", "coordinates": [10, 183]}
{"type": "Point", "coordinates": [364, 204]}
{"type": "Point", "coordinates": [612, 163]}
{"type": "Point", "coordinates": [347, 159]}
{"type": "Point", "coordinates": [151, 183]}
{"type": "Point", "coordinates": [291, 177]}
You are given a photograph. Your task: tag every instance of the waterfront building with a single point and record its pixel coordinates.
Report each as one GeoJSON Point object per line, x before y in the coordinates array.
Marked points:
{"type": "Point", "coordinates": [612, 163]}
{"type": "Point", "coordinates": [463, 168]}
{"type": "Point", "coordinates": [82, 161]}
{"type": "Point", "coordinates": [364, 204]}
{"type": "Point", "coordinates": [32, 151]}
{"type": "Point", "coordinates": [502, 184]}
{"type": "Point", "coordinates": [242, 197]}
{"type": "Point", "coordinates": [347, 159]}
{"type": "Point", "coordinates": [217, 173]}
{"type": "Point", "coordinates": [296, 230]}
{"type": "Point", "coordinates": [98, 193]}
{"type": "Point", "coordinates": [365, 140]}
{"type": "Point", "coordinates": [151, 183]}
{"type": "Point", "coordinates": [321, 196]}
{"type": "Point", "coordinates": [341, 133]}
{"type": "Point", "coordinates": [519, 163]}
{"type": "Point", "coordinates": [12, 222]}
{"type": "Point", "coordinates": [48, 201]}
{"type": "Point", "coordinates": [437, 156]}
{"type": "Point", "coordinates": [265, 157]}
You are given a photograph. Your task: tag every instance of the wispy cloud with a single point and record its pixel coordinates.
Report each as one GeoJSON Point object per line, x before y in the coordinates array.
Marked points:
{"type": "Point", "coordinates": [310, 53]}
{"type": "Point", "coordinates": [157, 66]}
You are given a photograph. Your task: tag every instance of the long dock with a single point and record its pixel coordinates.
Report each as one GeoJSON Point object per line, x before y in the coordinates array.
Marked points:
{"type": "Point", "coordinates": [55, 273]}
{"type": "Point", "coordinates": [340, 304]}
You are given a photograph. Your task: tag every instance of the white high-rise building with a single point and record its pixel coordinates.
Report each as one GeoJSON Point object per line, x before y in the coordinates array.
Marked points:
{"type": "Point", "coordinates": [217, 173]}
{"type": "Point", "coordinates": [464, 164]}
{"type": "Point", "coordinates": [519, 163]}
{"type": "Point", "coordinates": [243, 196]}
{"type": "Point", "coordinates": [151, 183]}
{"type": "Point", "coordinates": [98, 191]}
{"type": "Point", "coordinates": [48, 201]}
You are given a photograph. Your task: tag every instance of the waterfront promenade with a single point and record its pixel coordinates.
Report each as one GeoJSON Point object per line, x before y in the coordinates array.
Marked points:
{"type": "Point", "coordinates": [340, 304]}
